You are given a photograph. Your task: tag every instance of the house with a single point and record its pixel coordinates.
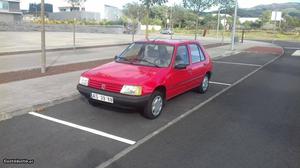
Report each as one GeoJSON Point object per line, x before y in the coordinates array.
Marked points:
{"type": "Point", "coordinates": [70, 13]}
{"type": "Point", "coordinates": [10, 11]}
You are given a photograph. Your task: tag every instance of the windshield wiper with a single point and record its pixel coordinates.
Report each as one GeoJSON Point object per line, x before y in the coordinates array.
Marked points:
{"type": "Point", "coordinates": [140, 59]}
{"type": "Point", "coordinates": [124, 59]}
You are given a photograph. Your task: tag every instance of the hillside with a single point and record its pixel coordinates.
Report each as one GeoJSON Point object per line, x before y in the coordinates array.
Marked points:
{"type": "Point", "coordinates": [291, 8]}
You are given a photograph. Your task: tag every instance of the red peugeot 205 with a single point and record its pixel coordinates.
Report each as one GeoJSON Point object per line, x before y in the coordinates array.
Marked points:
{"type": "Point", "coordinates": [147, 73]}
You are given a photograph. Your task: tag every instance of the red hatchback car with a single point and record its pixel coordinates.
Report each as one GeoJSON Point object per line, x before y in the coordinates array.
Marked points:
{"type": "Point", "coordinates": [147, 73]}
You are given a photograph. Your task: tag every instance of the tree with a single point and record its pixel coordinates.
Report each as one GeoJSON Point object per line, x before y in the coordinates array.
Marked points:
{"type": "Point", "coordinates": [75, 3]}
{"type": "Point", "coordinates": [226, 6]}
{"type": "Point", "coordinates": [148, 4]}
{"type": "Point", "coordinates": [134, 11]}
{"type": "Point", "coordinates": [198, 6]}
{"type": "Point", "coordinates": [289, 22]}
{"type": "Point", "coordinates": [179, 15]}
{"type": "Point", "coordinates": [265, 17]}
{"type": "Point", "coordinates": [161, 13]}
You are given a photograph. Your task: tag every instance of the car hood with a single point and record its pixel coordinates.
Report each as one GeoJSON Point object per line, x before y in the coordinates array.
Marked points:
{"type": "Point", "coordinates": [124, 73]}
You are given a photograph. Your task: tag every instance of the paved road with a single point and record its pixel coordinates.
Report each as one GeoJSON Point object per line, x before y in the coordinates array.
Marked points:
{"type": "Point", "coordinates": [24, 41]}
{"type": "Point", "coordinates": [33, 60]}
{"type": "Point", "coordinates": [242, 123]}
{"type": "Point", "coordinates": [254, 124]}
{"type": "Point", "coordinates": [27, 61]}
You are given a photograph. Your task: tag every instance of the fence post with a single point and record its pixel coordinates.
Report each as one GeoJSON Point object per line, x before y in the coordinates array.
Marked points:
{"type": "Point", "coordinates": [243, 34]}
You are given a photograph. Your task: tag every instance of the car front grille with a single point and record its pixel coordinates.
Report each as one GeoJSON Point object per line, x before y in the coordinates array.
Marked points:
{"type": "Point", "coordinates": [111, 87]}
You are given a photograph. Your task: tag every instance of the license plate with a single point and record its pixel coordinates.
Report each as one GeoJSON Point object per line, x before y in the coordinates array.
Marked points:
{"type": "Point", "coordinates": [101, 97]}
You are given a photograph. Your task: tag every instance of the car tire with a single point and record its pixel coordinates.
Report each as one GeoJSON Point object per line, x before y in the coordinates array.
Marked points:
{"type": "Point", "coordinates": [204, 85]}
{"type": "Point", "coordinates": [154, 106]}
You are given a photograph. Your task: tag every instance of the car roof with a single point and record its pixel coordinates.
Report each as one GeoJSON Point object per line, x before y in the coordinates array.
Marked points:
{"type": "Point", "coordinates": [168, 41]}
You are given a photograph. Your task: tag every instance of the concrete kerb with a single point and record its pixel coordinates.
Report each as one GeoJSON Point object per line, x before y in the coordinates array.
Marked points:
{"type": "Point", "coordinates": [61, 49]}
{"type": "Point", "coordinates": [38, 108]}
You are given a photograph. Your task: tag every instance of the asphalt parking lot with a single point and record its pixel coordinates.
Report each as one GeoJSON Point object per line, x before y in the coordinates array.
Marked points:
{"type": "Point", "coordinates": [76, 134]}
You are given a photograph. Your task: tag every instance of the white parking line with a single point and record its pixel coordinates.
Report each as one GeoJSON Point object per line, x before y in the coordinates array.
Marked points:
{"type": "Point", "coordinates": [104, 134]}
{"type": "Point", "coordinates": [174, 121]}
{"type": "Point", "coordinates": [219, 83]}
{"type": "Point", "coordinates": [237, 63]}
{"type": "Point", "coordinates": [296, 53]}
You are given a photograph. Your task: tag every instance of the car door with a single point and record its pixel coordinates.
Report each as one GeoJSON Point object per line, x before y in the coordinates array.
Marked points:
{"type": "Point", "coordinates": [180, 78]}
{"type": "Point", "coordinates": [198, 64]}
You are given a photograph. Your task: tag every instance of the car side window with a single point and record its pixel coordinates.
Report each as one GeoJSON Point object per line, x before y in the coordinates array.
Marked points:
{"type": "Point", "coordinates": [182, 56]}
{"type": "Point", "coordinates": [196, 53]}
{"type": "Point", "coordinates": [202, 57]}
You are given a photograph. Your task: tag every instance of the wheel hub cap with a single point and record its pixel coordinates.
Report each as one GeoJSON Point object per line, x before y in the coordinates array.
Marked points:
{"type": "Point", "coordinates": [205, 83]}
{"type": "Point", "coordinates": [157, 105]}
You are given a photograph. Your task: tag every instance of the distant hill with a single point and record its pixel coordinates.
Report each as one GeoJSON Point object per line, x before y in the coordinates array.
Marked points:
{"type": "Point", "coordinates": [292, 8]}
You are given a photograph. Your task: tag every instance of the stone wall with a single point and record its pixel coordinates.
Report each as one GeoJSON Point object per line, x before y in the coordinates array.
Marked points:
{"type": "Point", "coordinates": [10, 18]}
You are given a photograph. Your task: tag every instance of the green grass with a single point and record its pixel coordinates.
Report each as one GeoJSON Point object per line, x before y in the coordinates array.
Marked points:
{"type": "Point", "coordinates": [249, 35]}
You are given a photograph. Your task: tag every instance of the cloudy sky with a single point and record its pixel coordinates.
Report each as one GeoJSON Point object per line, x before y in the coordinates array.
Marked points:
{"type": "Point", "coordinates": [97, 5]}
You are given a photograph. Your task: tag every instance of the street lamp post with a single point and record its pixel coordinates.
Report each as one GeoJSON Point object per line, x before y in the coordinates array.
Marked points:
{"type": "Point", "coordinates": [43, 46]}
{"type": "Point", "coordinates": [234, 26]}
{"type": "Point", "coordinates": [218, 25]}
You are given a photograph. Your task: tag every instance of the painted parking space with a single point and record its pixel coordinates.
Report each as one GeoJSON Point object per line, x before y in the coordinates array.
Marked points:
{"type": "Point", "coordinates": [296, 53]}
{"type": "Point", "coordinates": [53, 145]}
{"type": "Point", "coordinates": [229, 73]}
{"type": "Point", "coordinates": [126, 122]}
{"type": "Point", "coordinates": [249, 58]}
{"type": "Point", "coordinates": [52, 141]}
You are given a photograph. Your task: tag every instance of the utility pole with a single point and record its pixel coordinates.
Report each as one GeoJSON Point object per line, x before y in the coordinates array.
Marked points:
{"type": "Point", "coordinates": [171, 22]}
{"type": "Point", "coordinates": [218, 25]}
{"type": "Point", "coordinates": [74, 30]}
{"type": "Point", "coordinates": [196, 30]}
{"type": "Point", "coordinates": [43, 46]}
{"type": "Point", "coordinates": [233, 26]}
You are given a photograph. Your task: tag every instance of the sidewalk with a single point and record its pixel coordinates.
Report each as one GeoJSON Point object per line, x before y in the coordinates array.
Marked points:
{"type": "Point", "coordinates": [19, 97]}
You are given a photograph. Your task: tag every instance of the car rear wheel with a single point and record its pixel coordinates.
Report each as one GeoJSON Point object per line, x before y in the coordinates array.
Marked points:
{"type": "Point", "coordinates": [204, 85]}
{"type": "Point", "coordinates": [154, 106]}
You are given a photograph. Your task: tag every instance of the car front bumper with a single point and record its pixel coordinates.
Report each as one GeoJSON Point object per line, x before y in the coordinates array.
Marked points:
{"type": "Point", "coordinates": [119, 99]}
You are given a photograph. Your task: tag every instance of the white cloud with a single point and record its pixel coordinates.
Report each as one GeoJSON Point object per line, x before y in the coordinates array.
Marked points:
{"type": "Point", "coordinates": [252, 3]}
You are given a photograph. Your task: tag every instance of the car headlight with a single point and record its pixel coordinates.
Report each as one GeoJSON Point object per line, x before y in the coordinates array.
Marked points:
{"type": "Point", "coordinates": [84, 81]}
{"type": "Point", "coordinates": [131, 90]}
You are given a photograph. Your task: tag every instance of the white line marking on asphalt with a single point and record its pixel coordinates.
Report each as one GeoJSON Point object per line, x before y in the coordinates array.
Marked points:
{"type": "Point", "coordinates": [296, 53]}
{"type": "Point", "coordinates": [219, 83]}
{"type": "Point", "coordinates": [104, 134]}
{"type": "Point", "coordinates": [237, 63]}
{"type": "Point", "coordinates": [182, 116]}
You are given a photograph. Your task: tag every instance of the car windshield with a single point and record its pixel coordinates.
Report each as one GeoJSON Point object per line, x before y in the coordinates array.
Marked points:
{"type": "Point", "coordinates": [147, 54]}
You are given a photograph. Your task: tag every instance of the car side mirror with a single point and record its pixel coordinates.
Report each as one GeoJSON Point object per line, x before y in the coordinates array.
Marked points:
{"type": "Point", "coordinates": [180, 66]}
{"type": "Point", "coordinates": [116, 57]}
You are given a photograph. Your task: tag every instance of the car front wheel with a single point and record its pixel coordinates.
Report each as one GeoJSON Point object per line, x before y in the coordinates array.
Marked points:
{"type": "Point", "coordinates": [154, 106]}
{"type": "Point", "coordinates": [204, 85]}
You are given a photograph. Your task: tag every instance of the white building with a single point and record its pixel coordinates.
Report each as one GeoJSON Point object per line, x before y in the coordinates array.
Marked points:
{"type": "Point", "coordinates": [69, 13]}
{"type": "Point", "coordinates": [111, 13]}
{"type": "Point", "coordinates": [250, 19]}
{"type": "Point", "coordinates": [10, 11]}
